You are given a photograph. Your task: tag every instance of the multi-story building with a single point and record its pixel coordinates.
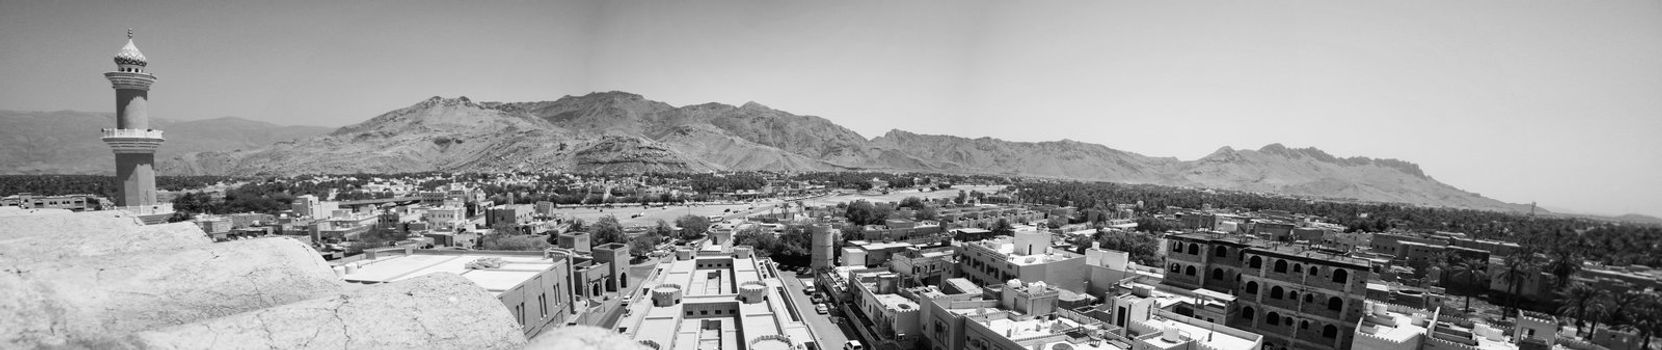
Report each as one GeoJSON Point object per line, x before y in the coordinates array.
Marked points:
{"type": "Point", "coordinates": [1015, 315]}
{"type": "Point", "coordinates": [864, 253]}
{"type": "Point", "coordinates": [508, 215]}
{"type": "Point", "coordinates": [1027, 255]}
{"type": "Point", "coordinates": [731, 301]}
{"type": "Point", "coordinates": [213, 225]}
{"type": "Point", "coordinates": [309, 206]}
{"type": "Point", "coordinates": [445, 218]}
{"type": "Point", "coordinates": [929, 266]}
{"type": "Point", "coordinates": [534, 286]}
{"type": "Point", "coordinates": [1298, 298]}
{"type": "Point", "coordinates": [882, 316]}
{"type": "Point", "coordinates": [1167, 330]}
{"type": "Point", "coordinates": [73, 202]}
{"type": "Point", "coordinates": [1396, 327]}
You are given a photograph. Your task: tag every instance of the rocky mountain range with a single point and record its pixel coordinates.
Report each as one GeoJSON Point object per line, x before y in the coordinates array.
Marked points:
{"type": "Point", "coordinates": [67, 142]}
{"type": "Point", "coordinates": [624, 132]}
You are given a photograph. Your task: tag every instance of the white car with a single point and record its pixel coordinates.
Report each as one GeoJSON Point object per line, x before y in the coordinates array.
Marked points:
{"type": "Point", "coordinates": [822, 309]}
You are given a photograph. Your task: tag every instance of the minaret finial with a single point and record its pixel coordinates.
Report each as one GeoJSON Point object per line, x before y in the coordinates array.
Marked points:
{"type": "Point", "coordinates": [129, 33]}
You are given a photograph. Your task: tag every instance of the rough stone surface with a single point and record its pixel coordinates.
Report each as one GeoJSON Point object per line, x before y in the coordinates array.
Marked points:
{"type": "Point", "coordinates": [583, 338]}
{"type": "Point", "coordinates": [66, 235]}
{"type": "Point", "coordinates": [90, 301]}
{"type": "Point", "coordinates": [65, 223]}
{"type": "Point", "coordinates": [435, 311]}
{"type": "Point", "coordinates": [15, 211]}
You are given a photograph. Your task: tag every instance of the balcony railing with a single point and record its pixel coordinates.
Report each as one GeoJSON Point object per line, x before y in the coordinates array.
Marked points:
{"type": "Point", "coordinates": [133, 133]}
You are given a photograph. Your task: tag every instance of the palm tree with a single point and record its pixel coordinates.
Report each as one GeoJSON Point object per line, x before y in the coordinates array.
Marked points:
{"type": "Point", "coordinates": [1621, 304]}
{"type": "Point", "coordinates": [1518, 268]}
{"type": "Point", "coordinates": [1466, 271]}
{"type": "Point", "coordinates": [1583, 302]}
{"type": "Point", "coordinates": [1563, 261]}
{"type": "Point", "coordinates": [1647, 315]}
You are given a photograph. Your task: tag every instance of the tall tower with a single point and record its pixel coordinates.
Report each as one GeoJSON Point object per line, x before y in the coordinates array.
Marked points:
{"type": "Point", "coordinates": [132, 139]}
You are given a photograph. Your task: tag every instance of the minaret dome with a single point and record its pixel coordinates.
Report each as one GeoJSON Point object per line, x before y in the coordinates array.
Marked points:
{"type": "Point", "coordinates": [129, 59]}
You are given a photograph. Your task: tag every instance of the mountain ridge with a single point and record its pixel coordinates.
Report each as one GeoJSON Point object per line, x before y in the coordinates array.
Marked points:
{"type": "Point", "coordinates": [618, 131]}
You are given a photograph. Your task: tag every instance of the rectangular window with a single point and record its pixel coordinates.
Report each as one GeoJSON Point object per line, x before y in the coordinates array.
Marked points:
{"type": "Point", "coordinates": [543, 300]}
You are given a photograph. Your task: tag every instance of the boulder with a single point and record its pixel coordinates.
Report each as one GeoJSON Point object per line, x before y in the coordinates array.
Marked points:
{"type": "Point", "coordinates": [90, 301]}
{"type": "Point", "coordinates": [434, 311]}
{"type": "Point", "coordinates": [92, 234]}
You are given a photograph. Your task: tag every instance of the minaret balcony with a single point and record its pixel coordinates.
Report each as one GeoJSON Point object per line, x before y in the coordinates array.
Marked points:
{"type": "Point", "coordinates": [130, 80]}
{"type": "Point", "coordinates": [133, 140]}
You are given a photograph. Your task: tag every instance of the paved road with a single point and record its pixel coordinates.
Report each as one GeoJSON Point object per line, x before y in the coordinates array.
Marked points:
{"type": "Point", "coordinates": [830, 335]}
{"type": "Point", "coordinates": [637, 276]}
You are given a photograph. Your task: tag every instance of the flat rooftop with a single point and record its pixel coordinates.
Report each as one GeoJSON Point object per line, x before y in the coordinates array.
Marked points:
{"type": "Point", "coordinates": [713, 286]}
{"type": "Point", "coordinates": [515, 269]}
{"type": "Point", "coordinates": [1006, 246]}
{"type": "Point", "coordinates": [1034, 327]}
{"type": "Point", "coordinates": [1278, 248]}
{"type": "Point", "coordinates": [1204, 333]}
{"type": "Point", "coordinates": [1392, 325]}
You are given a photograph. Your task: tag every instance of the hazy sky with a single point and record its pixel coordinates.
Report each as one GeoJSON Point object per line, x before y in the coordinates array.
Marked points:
{"type": "Point", "coordinates": [1555, 102]}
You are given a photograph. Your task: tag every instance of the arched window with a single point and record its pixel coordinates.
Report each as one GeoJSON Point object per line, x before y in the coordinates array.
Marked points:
{"type": "Point", "coordinates": [1189, 271]}
{"type": "Point", "coordinates": [1176, 268]}
{"type": "Point", "coordinates": [1308, 299]}
{"type": "Point", "coordinates": [1256, 262]}
{"type": "Point", "coordinates": [1340, 276]}
{"type": "Point", "coordinates": [1217, 273]}
{"type": "Point", "coordinates": [1313, 270]}
{"type": "Point", "coordinates": [1292, 295]}
{"type": "Point", "coordinates": [1304, 324]}
{"type": "Point", "coordinates": [1252, 287]}
{"type": "Point", "coordinates": [1280, 266]}
{"type": "Point", "coordinates": [1330, 331]}
{"type": "Point", "coordinates": [1194, 248]}
{"type": "Point", "coordinates": [1272, 318]}
{"type": "Point", "coordinates": [1220, 251]}
{"type": "Point", "coordinates": [1298, 268]}
{"type": "Point", "coordinates": [1246, 313]}
{"type": "Point", "coordinates": [1177, 247]}
{"type": "Point", "coordinates": [1335, 304]}
{"type": "Point", "coordinates": [1288, 320]}
{"type": "Point", "coordinates": [1275, 292]}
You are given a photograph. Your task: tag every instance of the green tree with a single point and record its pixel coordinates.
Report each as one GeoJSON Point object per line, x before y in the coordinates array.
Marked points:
{"type": "Point", "coordinates": [1621, 305]}
{"type": "Point", "coordinates": [693, 227]}
{"type": "Point", "coordinates": [1583, 302]}
{"type": "Point", "coordinates": [606, 230]}
{"type": "Point", "coordinates": [1563, 261]}
{"type": "Point", "coordinates": [663, 230]}
{"type": "Point", "coordinates": [513, 242]}
{"type": "Point", "coordinates": [1465, 273]}
{"type": "Point", "coordinates": [576, 225]}
{"type": "Point", "coordinates": [862, 212]}
{"type": "Point", "coordinates": [853, 233]}
{"type": "Point", "coordinates": [1003, 228]}
{"type": "Point", "coordinates": [645, 243]}
{"type": "Point", "coordinates": [927, 213]}
{"type": "Point", "coordinates": [1647, 315]}
{"type": "Point", "coordinates": [1518, 268]}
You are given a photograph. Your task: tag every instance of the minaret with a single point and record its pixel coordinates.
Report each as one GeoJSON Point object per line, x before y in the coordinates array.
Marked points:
{"type": "Point", "coordinates": [132, 139]}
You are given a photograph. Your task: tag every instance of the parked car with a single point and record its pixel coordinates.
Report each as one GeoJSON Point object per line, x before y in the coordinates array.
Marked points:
{"type": "Point", "coordinates": [822, 309]}
{"type": "Point", "coordinates": [853, 345]}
